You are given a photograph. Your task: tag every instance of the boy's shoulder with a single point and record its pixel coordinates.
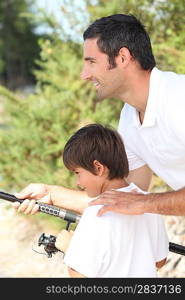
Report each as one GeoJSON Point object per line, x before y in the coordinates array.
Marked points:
{"type": "Point", "coordinates": [93, 210]}
{"type": "Point", "coordinates": [132, 188]}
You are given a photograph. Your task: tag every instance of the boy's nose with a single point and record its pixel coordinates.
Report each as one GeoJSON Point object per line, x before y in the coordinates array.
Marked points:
{"type": "Point", "coordinates": [78, 182]}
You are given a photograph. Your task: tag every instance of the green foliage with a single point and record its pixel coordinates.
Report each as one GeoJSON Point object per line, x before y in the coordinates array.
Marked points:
{"type": "Point", "coordinates": [39, 125]}
{"type": "Point", "coordinates": [164, 20]}
{"type": "Point", "coordinates": [18, 44]}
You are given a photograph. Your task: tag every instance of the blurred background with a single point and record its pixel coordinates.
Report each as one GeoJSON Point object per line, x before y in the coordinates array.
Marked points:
{"type": "Point", "coordinates": [43, 101]}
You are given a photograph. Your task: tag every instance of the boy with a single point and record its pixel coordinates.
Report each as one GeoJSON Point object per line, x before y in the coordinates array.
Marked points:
{"type": "Point", "coordinates": [113, 245]}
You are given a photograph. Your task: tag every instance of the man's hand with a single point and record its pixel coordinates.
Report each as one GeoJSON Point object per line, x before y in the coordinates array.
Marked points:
{"type": "Point", "coordinates": [36, 191]}
{"type": "Point", "coordinates": [63, 240]}
{"type": "Point", "coordinates": [131, 203]}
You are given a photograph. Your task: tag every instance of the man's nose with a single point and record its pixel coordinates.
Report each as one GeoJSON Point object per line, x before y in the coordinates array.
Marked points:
{"type": "Point", "coordinates": [85, 74]}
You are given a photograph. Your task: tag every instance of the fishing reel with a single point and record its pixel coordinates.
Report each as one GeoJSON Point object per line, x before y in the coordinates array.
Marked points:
{"type": "Point", "coordinates": [49, 244]}
{"type": "Point", "coordinates": [47, 241]}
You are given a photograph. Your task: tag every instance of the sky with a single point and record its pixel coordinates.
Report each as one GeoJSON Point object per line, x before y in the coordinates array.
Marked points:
{"type": "Point", "coordinates": [54, 5]}
{"type": "Point", "coordinates": [76, 9]}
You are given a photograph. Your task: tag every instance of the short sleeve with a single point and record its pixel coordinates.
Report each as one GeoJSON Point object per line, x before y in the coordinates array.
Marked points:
{"type": "Point", "coordinates": [134, 161]}
{"type": "Point", "coordinates": [86, 251]}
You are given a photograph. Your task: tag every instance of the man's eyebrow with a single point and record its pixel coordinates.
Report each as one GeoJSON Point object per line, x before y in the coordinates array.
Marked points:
{"type": "Point", "coordinates": [89, 58]}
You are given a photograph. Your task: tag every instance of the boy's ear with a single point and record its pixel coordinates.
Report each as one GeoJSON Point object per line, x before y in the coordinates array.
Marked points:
{"type": "Point", "coordinates": [99, 168]}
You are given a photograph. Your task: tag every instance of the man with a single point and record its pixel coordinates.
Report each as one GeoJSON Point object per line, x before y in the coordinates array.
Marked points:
{"type": "Point", "coordinates": [118, 60]}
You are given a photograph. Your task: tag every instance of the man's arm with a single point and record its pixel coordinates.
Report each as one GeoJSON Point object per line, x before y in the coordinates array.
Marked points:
{"type": "Point", "coordinates": [168, 203]}
{"type": "Point", "coordinates": [70, 199]}
{"type": "Point", "coordinates": [51, 194]}
{"type": "Point", "coordinates": [141, 177]}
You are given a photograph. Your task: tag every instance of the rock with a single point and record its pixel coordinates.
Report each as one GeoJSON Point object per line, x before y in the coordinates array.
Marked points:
{"type": "Point", "coordinates": [19, 234]}
{"type": "Point", "coordinates": [174, 267]}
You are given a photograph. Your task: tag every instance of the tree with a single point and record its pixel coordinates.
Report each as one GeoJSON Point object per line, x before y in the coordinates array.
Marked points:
{"type": "Point", "coordinates": [164, 21]}
{"type": "Point", "coordinates": [40, 124]}
{"type": "Point", "coordinates": [19, 46]}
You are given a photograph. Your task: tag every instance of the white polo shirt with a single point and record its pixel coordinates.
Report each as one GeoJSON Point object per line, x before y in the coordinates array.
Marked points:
{"type": "Point", "coordinates": [117, 245]}
{"type": "Point", "coordinates": [160, 141]}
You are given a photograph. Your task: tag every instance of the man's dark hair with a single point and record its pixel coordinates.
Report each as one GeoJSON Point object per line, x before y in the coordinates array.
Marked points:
{"type": "Point", "coordinates": [96, 142]}
{"type": "Point", "coordinates": [117, 31]}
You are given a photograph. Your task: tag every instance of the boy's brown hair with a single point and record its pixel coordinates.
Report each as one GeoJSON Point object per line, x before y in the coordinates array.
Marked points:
{"type": "Point", "coordinates": [96, 142]}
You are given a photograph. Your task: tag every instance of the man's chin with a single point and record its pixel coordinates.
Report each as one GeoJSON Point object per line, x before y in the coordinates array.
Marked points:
{"type": "Point", "coordinates": [101, 96]}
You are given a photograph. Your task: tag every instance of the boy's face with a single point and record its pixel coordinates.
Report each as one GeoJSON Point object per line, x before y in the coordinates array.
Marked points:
{"type": "Point", "coordinates": [89, 182]}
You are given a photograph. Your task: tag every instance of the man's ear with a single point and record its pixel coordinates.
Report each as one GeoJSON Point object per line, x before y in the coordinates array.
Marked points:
{"type": "Point", "coordinates": [99, 168]}
{"type": "Point", "coordinates": [125, 56]}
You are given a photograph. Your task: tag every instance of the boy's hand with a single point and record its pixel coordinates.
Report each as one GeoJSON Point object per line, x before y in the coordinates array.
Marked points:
{"type": "Point", "coordinates": [63, 240]}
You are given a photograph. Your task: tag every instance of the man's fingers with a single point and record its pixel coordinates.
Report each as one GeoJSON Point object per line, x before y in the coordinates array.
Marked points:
{"type": "Point", "coordinates": [45, 199]}
{"type": "Point", "coordinates": [23, 205]}
{"type": "Point", "coordinates": [104, 199]}
{"type": "Point", "coordinates": [27, 207]}
{"type": "Point", "coordinates": [120, 202]}
{"type": "Point", "coordinates": [16, 204]}
{"type": "Point", "coordinates": [23, 195]}
{"type": "Point", "coordinates": [35, 209]}
{"type": "Point", "coordinates": [104, 209]}
{"type": "Point", "coordinates": [31, 205]}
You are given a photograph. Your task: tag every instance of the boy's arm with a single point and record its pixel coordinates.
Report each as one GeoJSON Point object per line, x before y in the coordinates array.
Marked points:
{"type": "Point", "coordinates": [63, 240]}
{"type": "Point", "coordinates": [75, 274]}
{"type": "Point", "coordinates": [162, 245]}
{"type": "Point", "coordinates": [85, 254]}
{"type": "Point", "coordinates": [161, 263]}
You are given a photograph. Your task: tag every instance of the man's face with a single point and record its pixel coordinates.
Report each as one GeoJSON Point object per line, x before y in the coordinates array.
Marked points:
{"type": "Point", "coordinates": [88, 182]}
{"type": "Point", "coordinates": [107, 81]}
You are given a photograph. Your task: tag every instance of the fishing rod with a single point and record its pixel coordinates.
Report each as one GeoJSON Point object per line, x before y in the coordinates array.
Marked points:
{"type": "Point", "coordinates": [70, 217]}
{"type": "Point", "coordinates": [47, 241]}
{"type": "Point", "coordinates": [55, 211]}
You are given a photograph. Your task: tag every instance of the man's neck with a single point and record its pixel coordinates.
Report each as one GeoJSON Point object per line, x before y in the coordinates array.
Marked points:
{"type": "Point", "coordinates": [138, 90]}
